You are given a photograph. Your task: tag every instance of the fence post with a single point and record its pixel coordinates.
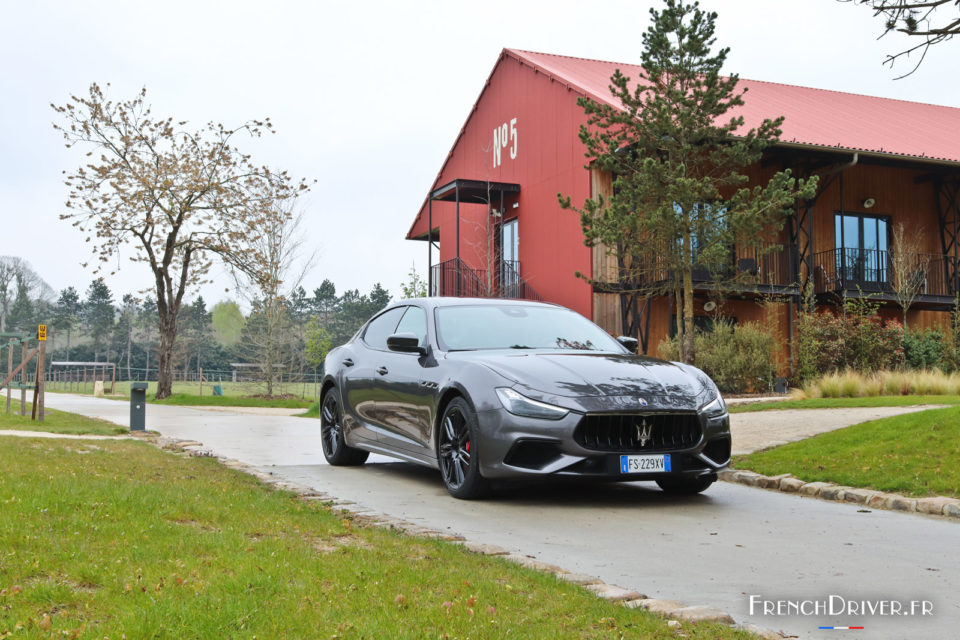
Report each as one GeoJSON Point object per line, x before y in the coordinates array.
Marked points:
{"type": "Point", "coordinates": [9, 368]}
{"type": "Point", "coordinates": [23, 378]}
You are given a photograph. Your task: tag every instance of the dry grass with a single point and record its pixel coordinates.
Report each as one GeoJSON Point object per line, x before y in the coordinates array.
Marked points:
{"type": "Point", "coordinates": [850, 384]}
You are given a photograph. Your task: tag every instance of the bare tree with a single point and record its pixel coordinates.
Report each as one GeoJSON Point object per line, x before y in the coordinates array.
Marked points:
{"type": "Point", "coordinates": [270, 334]}
{"type": "Point", "coordinates": [909, 266]}
{"type": "Point", "coordinates": [180, 197]}
{"type": "Point", "coordinates": [16, 273]}
{"type": "Point", "coordinates": [915, 18]}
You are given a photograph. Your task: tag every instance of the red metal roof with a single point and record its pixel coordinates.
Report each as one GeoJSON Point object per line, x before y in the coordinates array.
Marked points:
{"type": "Point", "coordinates": [814, 117]}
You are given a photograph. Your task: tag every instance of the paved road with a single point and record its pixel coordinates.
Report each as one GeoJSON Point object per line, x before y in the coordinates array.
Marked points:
{"type": "Point", "coordinates": [716, 549]}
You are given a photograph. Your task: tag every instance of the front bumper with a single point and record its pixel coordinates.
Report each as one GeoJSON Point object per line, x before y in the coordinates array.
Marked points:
{"type": "Point", "coordinates": [512, 446]}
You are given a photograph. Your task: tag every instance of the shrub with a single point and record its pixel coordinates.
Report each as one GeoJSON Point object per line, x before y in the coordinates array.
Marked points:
{"type": "Point", "coordinates": [820, 344]}
{"type": "Point", "coordinates": [736, 357]}
{"type": "Point", "coordinates": [923, 349]}
{"type": "Point", "coordinates": [858, 340]}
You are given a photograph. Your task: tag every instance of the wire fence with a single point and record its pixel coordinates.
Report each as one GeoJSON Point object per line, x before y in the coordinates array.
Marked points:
{"type": "Point", "coordinates": [232, 382]}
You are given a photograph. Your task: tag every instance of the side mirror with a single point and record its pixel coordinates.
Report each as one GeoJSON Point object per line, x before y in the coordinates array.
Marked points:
{"type": "Point", "coordinates": [405, 343]}
{"type": "Point", "coordinates": [632, 344]}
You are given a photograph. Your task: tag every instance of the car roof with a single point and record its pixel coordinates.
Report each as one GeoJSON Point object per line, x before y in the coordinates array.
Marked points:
{"type": "Point", "coordinates": [441, 301]}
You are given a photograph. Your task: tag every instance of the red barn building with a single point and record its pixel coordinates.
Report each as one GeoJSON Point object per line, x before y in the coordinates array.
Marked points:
{"type": "Point", "coordinates": [494, 216]}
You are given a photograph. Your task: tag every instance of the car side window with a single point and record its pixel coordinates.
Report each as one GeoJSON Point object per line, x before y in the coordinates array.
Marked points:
{"type": "Point", "coordinates": [381, 327]}
{"type": "Point", "coordinates": [414, 321]}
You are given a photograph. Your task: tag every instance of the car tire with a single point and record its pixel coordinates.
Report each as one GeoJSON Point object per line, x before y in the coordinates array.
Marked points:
{"type": "Point", "coordinates": [457, 452]}
{"type": "Point", "coordinates": [335, 448]}
{"type": "Point", "coordinates": [686, 486]}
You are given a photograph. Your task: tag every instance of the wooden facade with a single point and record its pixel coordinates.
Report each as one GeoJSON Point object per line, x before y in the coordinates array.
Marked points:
{"type": "Point", "coordinates": [896, 192]}
{"type": "Point", "coordinates": [521, 139]}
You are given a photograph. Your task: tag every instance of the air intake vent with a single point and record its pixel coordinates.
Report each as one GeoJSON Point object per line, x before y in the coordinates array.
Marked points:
{"type": "Point", "coordinates": [638, 432]}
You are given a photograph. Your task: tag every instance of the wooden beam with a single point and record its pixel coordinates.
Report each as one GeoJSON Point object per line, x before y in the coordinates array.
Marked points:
{"type": "Point", "coordinates": [26, 358]}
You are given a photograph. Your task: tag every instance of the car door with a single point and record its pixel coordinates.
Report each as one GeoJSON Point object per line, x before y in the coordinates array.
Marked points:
{"type": "Point", "coordinates": [361, 386]}
{"type": "Point", "coordinates": [408, 394]}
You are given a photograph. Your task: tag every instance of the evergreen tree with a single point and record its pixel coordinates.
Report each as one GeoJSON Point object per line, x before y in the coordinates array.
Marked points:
{"type": "Point", "coordinates": [676, 152]}
{"type": "Point", "coordinates": [21, 317]}
{"type": "Point", "coordinates": [196, 331]}
{"type": "Point", "coordinates": [324, 301]}
{"type": "Point", "coordinates": [66, 313]}
{"type": "Point", "coordinates": [353, 309]}
{"type": "Point", "coordinates": [98, 316]}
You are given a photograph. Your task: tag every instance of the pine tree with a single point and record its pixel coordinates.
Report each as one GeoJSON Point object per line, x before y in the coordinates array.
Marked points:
{"type": "Point", "coordinates": [676, 152]}
{"type": "Point", "coordinates": [98, 316]}
{"type": "Point", "coordinates": [66, 313]}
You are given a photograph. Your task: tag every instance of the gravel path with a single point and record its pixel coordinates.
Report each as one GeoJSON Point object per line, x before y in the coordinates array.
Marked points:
{"type": "Point", "coordinates": [764, 429]}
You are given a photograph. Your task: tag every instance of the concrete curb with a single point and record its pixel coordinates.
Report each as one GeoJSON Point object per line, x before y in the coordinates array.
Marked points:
{"type": "Point", "coordinates": [787, 483]}
{"type": "Point", "coordinates": [676, 612]}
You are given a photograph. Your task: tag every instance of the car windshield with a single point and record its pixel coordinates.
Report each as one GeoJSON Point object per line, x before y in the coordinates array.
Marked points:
{"type": "Point", "coordinates": [467, 327]}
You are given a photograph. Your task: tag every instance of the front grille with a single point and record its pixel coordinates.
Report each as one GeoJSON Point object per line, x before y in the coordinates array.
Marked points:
{"type": "Point", "coordinates": [638, 432]}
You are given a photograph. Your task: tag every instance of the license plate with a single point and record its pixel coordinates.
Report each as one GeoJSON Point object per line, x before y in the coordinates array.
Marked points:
{"type": "Point", "coordinates": [645, 464]}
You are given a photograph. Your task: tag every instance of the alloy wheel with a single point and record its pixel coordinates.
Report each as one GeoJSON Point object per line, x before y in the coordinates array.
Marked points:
{"type": "Point", "coordinates": [330, 429]}
{"type": "Point", "coordinates": [454, 449]}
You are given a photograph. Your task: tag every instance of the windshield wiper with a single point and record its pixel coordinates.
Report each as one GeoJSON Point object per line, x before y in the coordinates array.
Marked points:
{"type": "Point", "coordinates": [520, 346]}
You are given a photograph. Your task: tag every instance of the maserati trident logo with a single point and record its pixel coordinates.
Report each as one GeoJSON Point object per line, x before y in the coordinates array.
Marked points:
{"type": "Point", "coordinates": [644, 432]}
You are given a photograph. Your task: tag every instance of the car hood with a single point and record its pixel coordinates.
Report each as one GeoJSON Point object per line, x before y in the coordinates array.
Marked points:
{"type": "Point", "coordinates": [600, 381]}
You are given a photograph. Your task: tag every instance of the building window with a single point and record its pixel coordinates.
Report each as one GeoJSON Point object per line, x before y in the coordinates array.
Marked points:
{"type": "Point", "coordinates": [703, 324]}
{"type": "Point", "coordinates": [861, 243]}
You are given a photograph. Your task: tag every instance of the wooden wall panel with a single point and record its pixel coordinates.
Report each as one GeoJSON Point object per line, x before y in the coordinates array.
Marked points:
{"type": "Point", "coordinates": [604, 265]}
{"type": "Point", "coordinates": [897, 195]}
{"type": "Point", "coordinates": [606, 312]}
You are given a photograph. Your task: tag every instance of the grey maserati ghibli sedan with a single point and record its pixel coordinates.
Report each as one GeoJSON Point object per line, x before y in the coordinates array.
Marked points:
{"type": "Point", "coordinates": [487, 389]}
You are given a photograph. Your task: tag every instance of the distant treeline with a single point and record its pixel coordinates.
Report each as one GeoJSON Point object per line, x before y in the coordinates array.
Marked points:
{"type": "Point", "coordinates": [96, 327]}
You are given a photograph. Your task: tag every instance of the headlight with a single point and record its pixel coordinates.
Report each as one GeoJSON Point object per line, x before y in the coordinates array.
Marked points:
{"type": "Point", "coordinates": [521, 405]}
{"type": "Point", "coordinates": [716, 408]}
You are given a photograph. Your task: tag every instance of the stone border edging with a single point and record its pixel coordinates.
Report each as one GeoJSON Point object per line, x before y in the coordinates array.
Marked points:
{"type": "Point", "coordinates": [787, 483]}
{"type": "Point", "coordinates": [675, 611]}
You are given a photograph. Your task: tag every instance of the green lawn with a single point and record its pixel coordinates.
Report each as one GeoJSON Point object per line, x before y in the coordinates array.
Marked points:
{"type": "Point", "coordinates": [119, 539]}
{"type": "Point", "coordinates": [915, 454]}
{"type": "Point", "coordinates": [230, 401]}
{"type": "Point", "coordinates": [833, 403]}
{"type": "Point", "coordinates": [56, 422]}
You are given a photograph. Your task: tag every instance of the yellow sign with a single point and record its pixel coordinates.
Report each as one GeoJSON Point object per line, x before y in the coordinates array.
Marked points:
{"type": "Point", "coordinates": [42, 332]}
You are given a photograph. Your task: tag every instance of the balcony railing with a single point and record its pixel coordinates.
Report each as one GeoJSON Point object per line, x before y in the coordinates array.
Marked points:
{"type": "Point", "coordinates": [454, 278]}
{"type": "Point", "coordinates": [747, 267]}
{"type": "Point", "coordinates": [872, 271]}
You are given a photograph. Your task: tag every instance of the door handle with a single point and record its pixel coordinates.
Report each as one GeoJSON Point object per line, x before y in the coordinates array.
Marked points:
{"type": "Point", "coordinates": [348, 362]}
{"type": "Point", "coordinates": [382, 371]}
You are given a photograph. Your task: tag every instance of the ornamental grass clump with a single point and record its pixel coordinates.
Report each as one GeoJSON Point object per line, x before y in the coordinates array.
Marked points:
{"type": "Point", "coordinates": [852, 384]}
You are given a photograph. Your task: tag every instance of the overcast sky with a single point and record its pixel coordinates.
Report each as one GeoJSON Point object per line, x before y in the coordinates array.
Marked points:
{"type": "Point", "coordinates": [367, 97]}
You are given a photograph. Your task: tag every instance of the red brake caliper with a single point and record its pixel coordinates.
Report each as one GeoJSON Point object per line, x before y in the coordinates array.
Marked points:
{"type": "Point", "coordinates": [468, 446]}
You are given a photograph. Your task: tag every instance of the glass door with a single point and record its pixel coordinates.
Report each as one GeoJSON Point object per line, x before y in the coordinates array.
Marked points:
{"type": "Point", "coordinates": [861, 244]}
{"type": "Point", "coordinates": [509, 258]}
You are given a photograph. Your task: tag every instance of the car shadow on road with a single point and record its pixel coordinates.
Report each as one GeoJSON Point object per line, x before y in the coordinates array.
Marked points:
{"type": "Point", "coordinates": [566, 492]}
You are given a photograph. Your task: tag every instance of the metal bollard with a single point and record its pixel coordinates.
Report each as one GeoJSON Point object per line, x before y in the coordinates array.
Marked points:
{"type": "Point", "coordinates": [138, 406]}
